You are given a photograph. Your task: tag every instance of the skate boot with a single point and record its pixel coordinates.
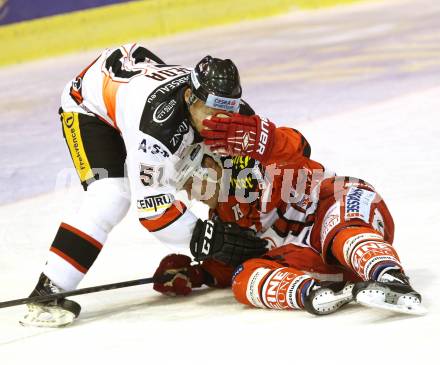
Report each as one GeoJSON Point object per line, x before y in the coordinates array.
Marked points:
{"type": "Point", "coordinates": [392, 291]}
{"type": "Point", "coordinates": [328, 296]}
{"type": "Point", "coordinates": [54, 313]}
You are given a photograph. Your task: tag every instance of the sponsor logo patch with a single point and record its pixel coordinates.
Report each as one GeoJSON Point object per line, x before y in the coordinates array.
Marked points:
{"type": "Point", "coordinates": [177, 138]}
{"type": "Point", "coordinates": [331, 219]}
{"type": "Point", "coordinates": [358, 204]}
{"type": "Point", "coordinates": [69, 120]}
{"type": "Point", "coordinates": [168, 87]}
{"type": "Point", "coordinates": [154, 149]}
{"type": "Point", "coordinates": [368, 254]}
{"type": "Point", "coordinates": [280, 289]}
{"type": "Point", "coordinates": [252, 290]}
{"type": "Point", "coordinates": [209, 231]}
{"type": "Point", "coordinates": [219, 102]}
{"type": "Point", "coordinates": [164, 111]}
{"type": "Point", "coordinates": [354, 241]}
{"type": "Point", "coordinates": [264, 135]}
{"type": "Point", "coordinates": [72, 134]}
{"type": "Point", "coordinates": [155, 202]}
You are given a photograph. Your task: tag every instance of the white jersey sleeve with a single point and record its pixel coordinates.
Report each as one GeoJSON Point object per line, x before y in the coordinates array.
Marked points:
{"type": "Point", "coordinates": [151, 170]}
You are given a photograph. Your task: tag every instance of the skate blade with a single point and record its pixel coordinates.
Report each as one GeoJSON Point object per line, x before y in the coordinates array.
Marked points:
{"type": "Point", "coordinates": [377, 300]}
{"type": "Point", "coordinates": [46, 316]}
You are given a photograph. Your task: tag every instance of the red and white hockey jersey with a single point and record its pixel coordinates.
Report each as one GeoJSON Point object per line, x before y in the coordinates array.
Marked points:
{"type": "Point", "coordinates": [278, 200]}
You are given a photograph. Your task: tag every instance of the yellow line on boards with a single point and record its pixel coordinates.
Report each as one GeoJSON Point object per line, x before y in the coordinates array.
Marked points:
{"type": "Point", "coordinates": [122, 23]}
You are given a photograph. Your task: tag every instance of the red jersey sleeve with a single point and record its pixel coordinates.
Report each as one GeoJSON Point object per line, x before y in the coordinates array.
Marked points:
{"type": "Point", "coordinates": [289, 146]}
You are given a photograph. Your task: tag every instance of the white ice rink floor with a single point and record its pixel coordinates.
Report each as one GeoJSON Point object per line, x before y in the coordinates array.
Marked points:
{"type": "Point", "coordinates": [393, 144]}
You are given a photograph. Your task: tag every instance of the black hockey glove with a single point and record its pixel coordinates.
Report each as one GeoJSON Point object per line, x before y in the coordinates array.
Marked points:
{"type": "Point", "coordinates": [225, 242]}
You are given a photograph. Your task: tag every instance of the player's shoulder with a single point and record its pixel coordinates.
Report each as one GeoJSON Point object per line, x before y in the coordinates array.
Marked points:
{"type": "Point", "coordinates": [130, 54]}
{"type": "Point", "coordinates": [165, 116]}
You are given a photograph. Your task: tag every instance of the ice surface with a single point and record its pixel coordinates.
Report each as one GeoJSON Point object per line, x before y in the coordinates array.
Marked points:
{"type": "Point", "coordinates": [379, 125]}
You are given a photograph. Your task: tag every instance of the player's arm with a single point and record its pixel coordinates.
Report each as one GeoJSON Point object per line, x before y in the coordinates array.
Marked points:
{"type": "Point", "coordinates": [254, 136]}
{"type": "Point", "coordinates": [166, 217]}
{"type": "Point", "coordinates": [218, 248]}
{"type": "Point", "coordinates": [173, 222]}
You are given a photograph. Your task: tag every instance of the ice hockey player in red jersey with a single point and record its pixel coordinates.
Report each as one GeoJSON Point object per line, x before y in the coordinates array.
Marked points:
{"type": "Point", "coordinates": [127, 118]}
{"type": "Point", "coordinates": [330, 237]}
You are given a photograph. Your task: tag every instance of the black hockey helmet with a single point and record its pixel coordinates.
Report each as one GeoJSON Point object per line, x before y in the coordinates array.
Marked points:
{"type": "Point", "coordinates": [217, 83]}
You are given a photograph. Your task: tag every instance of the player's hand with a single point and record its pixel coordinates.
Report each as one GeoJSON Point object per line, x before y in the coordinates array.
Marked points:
{"type": "Point", "coordinates": [176, 276]}
{"type": "Point", "coordinates": [226, 242]}
{"type": "Point", "coordinates": [239, 135]}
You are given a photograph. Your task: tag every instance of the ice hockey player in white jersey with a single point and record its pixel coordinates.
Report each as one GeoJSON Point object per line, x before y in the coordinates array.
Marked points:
{"type": "Point", "coordinates": [126, 119]}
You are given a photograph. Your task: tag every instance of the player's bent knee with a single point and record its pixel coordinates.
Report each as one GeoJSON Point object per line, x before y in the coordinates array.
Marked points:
{"type": "Point", "coordinates": [344, 204]}
{"type": "Point", "coordinates": [104, 205]}
{"type": "Point", "coordinates": [267, 284]}
{"type": "Point", "coordinates": [112, 196]}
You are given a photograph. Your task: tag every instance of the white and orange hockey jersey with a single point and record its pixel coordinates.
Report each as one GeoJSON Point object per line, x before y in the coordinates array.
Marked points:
{"type": "Point", "coordinates": [133, 91]}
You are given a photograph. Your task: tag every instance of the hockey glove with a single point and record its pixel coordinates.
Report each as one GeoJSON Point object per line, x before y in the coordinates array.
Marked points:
{"type": "Point", "coordinates": [239, 135]}
{"type": "Point", "coordinates": [176, 276]}
{"type": "Point", "coordinates": [226, 242]}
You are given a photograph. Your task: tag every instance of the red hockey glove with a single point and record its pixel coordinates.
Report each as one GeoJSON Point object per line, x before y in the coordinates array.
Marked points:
{"type": "Point", "coordinates": [176, 276]}
{"type": "Point", "coordinates": [239, 135]}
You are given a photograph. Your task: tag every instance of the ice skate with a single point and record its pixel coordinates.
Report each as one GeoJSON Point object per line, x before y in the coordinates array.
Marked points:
{"type": "Point", "coordinates": [55, 313]}
{"type": "Point", "coordinates": [391, 292]}
{"type": "Point", "coordinates": [328, 296]}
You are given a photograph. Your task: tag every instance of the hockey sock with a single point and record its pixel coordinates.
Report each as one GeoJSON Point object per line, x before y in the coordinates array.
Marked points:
{"type": "Point", "coordinates": [266, 284]}
{"type": "Point", "coordinates": [71, 255]}
{"type": "Point", "coordinates": [80, 238]}
{"type": "Point", "coordinates": [364, 251]}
